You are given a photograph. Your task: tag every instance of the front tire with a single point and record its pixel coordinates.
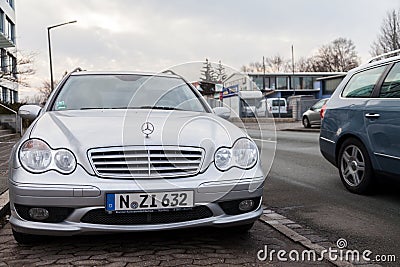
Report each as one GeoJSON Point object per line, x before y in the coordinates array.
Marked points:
{"type": "Point", "coordinates": [306, 122]}
{"type": "Point", "coordinates": [355, 167]}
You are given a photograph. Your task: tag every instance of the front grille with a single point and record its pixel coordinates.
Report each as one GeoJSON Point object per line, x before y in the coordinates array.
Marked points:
{"type": "Point", "coordinates": [99, 216]}
{"type": "Point", "coordinates": [56, 214]}
{"type": "Point", "coordinates": [143, 162]}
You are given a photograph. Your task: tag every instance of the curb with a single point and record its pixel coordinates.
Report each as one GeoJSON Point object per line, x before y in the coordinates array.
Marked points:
{"type": "Point", "coordinates": [291, 230]}
{"type": "Point", "coordinates": [4, 204]}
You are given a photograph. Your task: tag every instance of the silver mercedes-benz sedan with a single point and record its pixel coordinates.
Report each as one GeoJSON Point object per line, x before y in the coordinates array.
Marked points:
{"type": "Point", "coordinates": [124, 152]}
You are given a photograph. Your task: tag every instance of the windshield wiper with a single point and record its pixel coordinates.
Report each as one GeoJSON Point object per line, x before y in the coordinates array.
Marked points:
{"type": "Point", "coordinates": [159, 107]}
{"type": "Point", "coordinates": [87, 108]}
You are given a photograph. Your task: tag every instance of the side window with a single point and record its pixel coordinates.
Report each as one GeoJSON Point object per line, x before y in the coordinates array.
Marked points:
{"type": "Point", "coordinates": [391, 85]}
{"type": "Point", "coordinates": [319, 104]}
{"type": "Point", "coordinates": [362, 83]}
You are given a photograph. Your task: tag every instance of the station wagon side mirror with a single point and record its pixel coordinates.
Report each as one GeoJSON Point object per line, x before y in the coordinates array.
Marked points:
{"type": "Point", "coordinates": [29, 112]}
{"type": "Point", "coordinates": [222, 112]}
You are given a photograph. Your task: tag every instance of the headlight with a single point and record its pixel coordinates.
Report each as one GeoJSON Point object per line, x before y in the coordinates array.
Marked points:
{"type": "Point", "coordinates": [65, 160]}
{"type": "Point", "coordinates": [243, 154]}
{"type": "Point", "coordinates": [36, 156]}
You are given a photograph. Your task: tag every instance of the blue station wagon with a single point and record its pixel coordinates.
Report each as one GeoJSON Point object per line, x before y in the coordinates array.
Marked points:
{"type": "Point", "coordinates": [360, 132]}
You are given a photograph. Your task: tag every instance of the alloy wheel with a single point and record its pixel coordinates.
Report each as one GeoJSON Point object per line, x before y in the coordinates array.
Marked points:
{"type": "Point", "coordinates": [352, 165]}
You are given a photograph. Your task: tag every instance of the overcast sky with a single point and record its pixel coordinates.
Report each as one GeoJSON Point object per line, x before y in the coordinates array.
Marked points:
{"type": "Point", "coordinates": [152, 35]}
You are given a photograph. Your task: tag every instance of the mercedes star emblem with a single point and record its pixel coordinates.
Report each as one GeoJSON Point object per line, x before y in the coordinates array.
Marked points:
{"type": "Point", "coordinates": [147, 128]}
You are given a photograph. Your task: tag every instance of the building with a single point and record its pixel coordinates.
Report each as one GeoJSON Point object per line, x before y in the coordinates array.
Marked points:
{"type": "Point", "coordinates": [8, 61]}
{"type": "Point", "coordinates": [289, 84]}
{"type": "Point", "coordinates": [314, 85]}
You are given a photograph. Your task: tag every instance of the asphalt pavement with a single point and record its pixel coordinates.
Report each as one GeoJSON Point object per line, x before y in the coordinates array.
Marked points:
{"type": "Point", "coordinates": [307, 189]}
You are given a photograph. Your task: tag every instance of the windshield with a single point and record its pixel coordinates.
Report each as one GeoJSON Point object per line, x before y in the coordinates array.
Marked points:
{"type": "Point", "coordinates": [126, 91]}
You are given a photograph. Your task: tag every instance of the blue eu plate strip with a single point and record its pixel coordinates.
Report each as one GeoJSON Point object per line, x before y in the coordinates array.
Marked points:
{"type": "Point", "coordinates": [110, 203]}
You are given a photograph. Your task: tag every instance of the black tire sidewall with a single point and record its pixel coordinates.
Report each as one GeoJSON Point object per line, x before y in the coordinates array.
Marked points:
{"type": "Point", "coordinates": [306, 122]}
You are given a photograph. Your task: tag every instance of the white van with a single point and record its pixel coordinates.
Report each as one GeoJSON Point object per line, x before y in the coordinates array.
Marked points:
{"type": "Point", "coordinates": [272, 106]}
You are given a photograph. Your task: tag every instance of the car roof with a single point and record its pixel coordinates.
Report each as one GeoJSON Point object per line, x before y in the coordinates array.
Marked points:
{"type": "Point", "coordinates": [160, 74]}
{"type": "Point", "coordinates": [372, 63]}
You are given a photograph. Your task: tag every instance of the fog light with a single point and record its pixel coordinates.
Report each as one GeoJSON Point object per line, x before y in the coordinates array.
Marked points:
{"type": "Point", "coordinates": [38, 214]}
{"type": "Point", "coordinates": [246, 205]}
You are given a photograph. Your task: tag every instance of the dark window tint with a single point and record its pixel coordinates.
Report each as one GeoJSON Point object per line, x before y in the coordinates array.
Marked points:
{"type": "Point", "coordinates": [391, 85]}
{"type": "Point", "coordinates": [362, 83]}
{"type": "Point", "coordinates": [276, 103]}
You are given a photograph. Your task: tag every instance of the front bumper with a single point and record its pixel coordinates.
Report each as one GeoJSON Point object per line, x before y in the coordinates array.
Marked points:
{"type": "Point", "coordinates": [90, 196]}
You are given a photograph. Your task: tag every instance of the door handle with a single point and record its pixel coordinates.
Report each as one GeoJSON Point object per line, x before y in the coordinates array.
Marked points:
{"type": "Point", "coordinates": [372, 115]}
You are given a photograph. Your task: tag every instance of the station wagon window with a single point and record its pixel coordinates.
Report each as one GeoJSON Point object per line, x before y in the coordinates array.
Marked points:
{"type": "Point", "coordinates": [362, 83]}
{"type": "Point", "coordinates": [391, 85]}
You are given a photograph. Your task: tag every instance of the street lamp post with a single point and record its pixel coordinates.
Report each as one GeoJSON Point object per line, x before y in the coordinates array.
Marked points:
{"type": "Point", "coordinates": [49, 42]}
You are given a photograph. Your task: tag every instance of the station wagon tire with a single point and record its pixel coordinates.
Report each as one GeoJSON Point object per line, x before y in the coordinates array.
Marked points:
{"type": "Point", "coordinates": [355, 167]}
{"type": "Point", "coordinates": [26, 239]}
{"type": "Point", "coordinates": [306, 122]}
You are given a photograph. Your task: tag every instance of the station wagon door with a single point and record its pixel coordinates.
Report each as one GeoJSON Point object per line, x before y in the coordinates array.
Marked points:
{"type": "Point", "coordinates": [382, 120]}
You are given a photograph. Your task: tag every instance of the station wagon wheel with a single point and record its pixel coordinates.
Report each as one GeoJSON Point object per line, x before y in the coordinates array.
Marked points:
{"type": "Point", "coordinates": [355, 167]}
{"type": "Point", "coordinates": [306, 122]}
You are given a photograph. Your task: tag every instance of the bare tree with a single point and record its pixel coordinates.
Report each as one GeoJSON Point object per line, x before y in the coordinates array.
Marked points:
{"type": "Point", "coordinates": [389, 36]}
{"type": "Point", "coordinates": [20, 70]}
{"type": "Point", "coordinates": [338, 56]}
{"type": "Point", "coordinates": [304, 65]}
{"type": "Point", "coordinates": [272, 64]}
{"type": "Point", "coordinates": [252, 67]}
{"type": "Point", "coordinates": [277, 64]}
{"type": "Point", "coordinates": [34, 99]}
{"type": "Point", "coordinates": [45, 89]}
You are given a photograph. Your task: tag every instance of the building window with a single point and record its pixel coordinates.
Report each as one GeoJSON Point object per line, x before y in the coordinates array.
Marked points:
{"type": "Point", "coordinates": [14, 67]}
{"type": "Point", "coordinates": [1, 20]}
{"type": "Point", "coordinates": [258, 81]}
{"type": "Point", "coordinates": [15, 97]}
{"type": "Point", "coordinates": [4, 94]}
{"type": "Point", "coordinates": [11, 96]}
{"type": "Point", "coordinates": [281, 83]}
{"type": "Point", "coordinates": [308, 83]}
{"type": "Point", "coordinates": [272, 82]}
{"type": "Point", "coordinates": [10, 30]}
{"type": "Point", "coordinates": [296, 83]}
{"type": "Point", "coordinates": [329, 86]}
{"type": "Point", "coordinates": [3, 60]}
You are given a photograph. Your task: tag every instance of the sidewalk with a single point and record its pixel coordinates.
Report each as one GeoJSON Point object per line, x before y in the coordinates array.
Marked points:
{"type": "Point", "coordinates": [5, 149]}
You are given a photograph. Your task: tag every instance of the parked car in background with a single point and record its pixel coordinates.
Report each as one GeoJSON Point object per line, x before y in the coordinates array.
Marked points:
{"type": "Point", "coordinates": [125, 151]}
{"type": "Point", "coordinates": [312, 116]}
{"type": "Point", "coordinates": [361, 126]}
{"type": "Point", "coordinates": [271, 106]}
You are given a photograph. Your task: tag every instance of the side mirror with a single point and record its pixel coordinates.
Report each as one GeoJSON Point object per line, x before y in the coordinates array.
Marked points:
{"type": "Point", "coordinates": [29, 112]}
{"type": "Point", "coordinates": [312, 108]}
{"type": "Point", "coordinates": [222, 112]}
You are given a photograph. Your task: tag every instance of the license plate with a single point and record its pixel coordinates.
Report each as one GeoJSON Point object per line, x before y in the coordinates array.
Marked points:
{"type": "Point", "coordinates": [136, 202]}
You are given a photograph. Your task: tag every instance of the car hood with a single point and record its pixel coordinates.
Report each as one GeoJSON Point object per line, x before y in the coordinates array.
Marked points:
{"type": "Point", "coordinates": [82, 130]}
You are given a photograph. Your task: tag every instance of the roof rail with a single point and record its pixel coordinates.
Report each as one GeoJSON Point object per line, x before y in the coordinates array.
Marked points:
{"type": "Point", "coordinates": [77, 69]}
{"type": "Point", "coordinates": [384, 55]}
{"type": "Point", "coordinates": [170, 72]}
